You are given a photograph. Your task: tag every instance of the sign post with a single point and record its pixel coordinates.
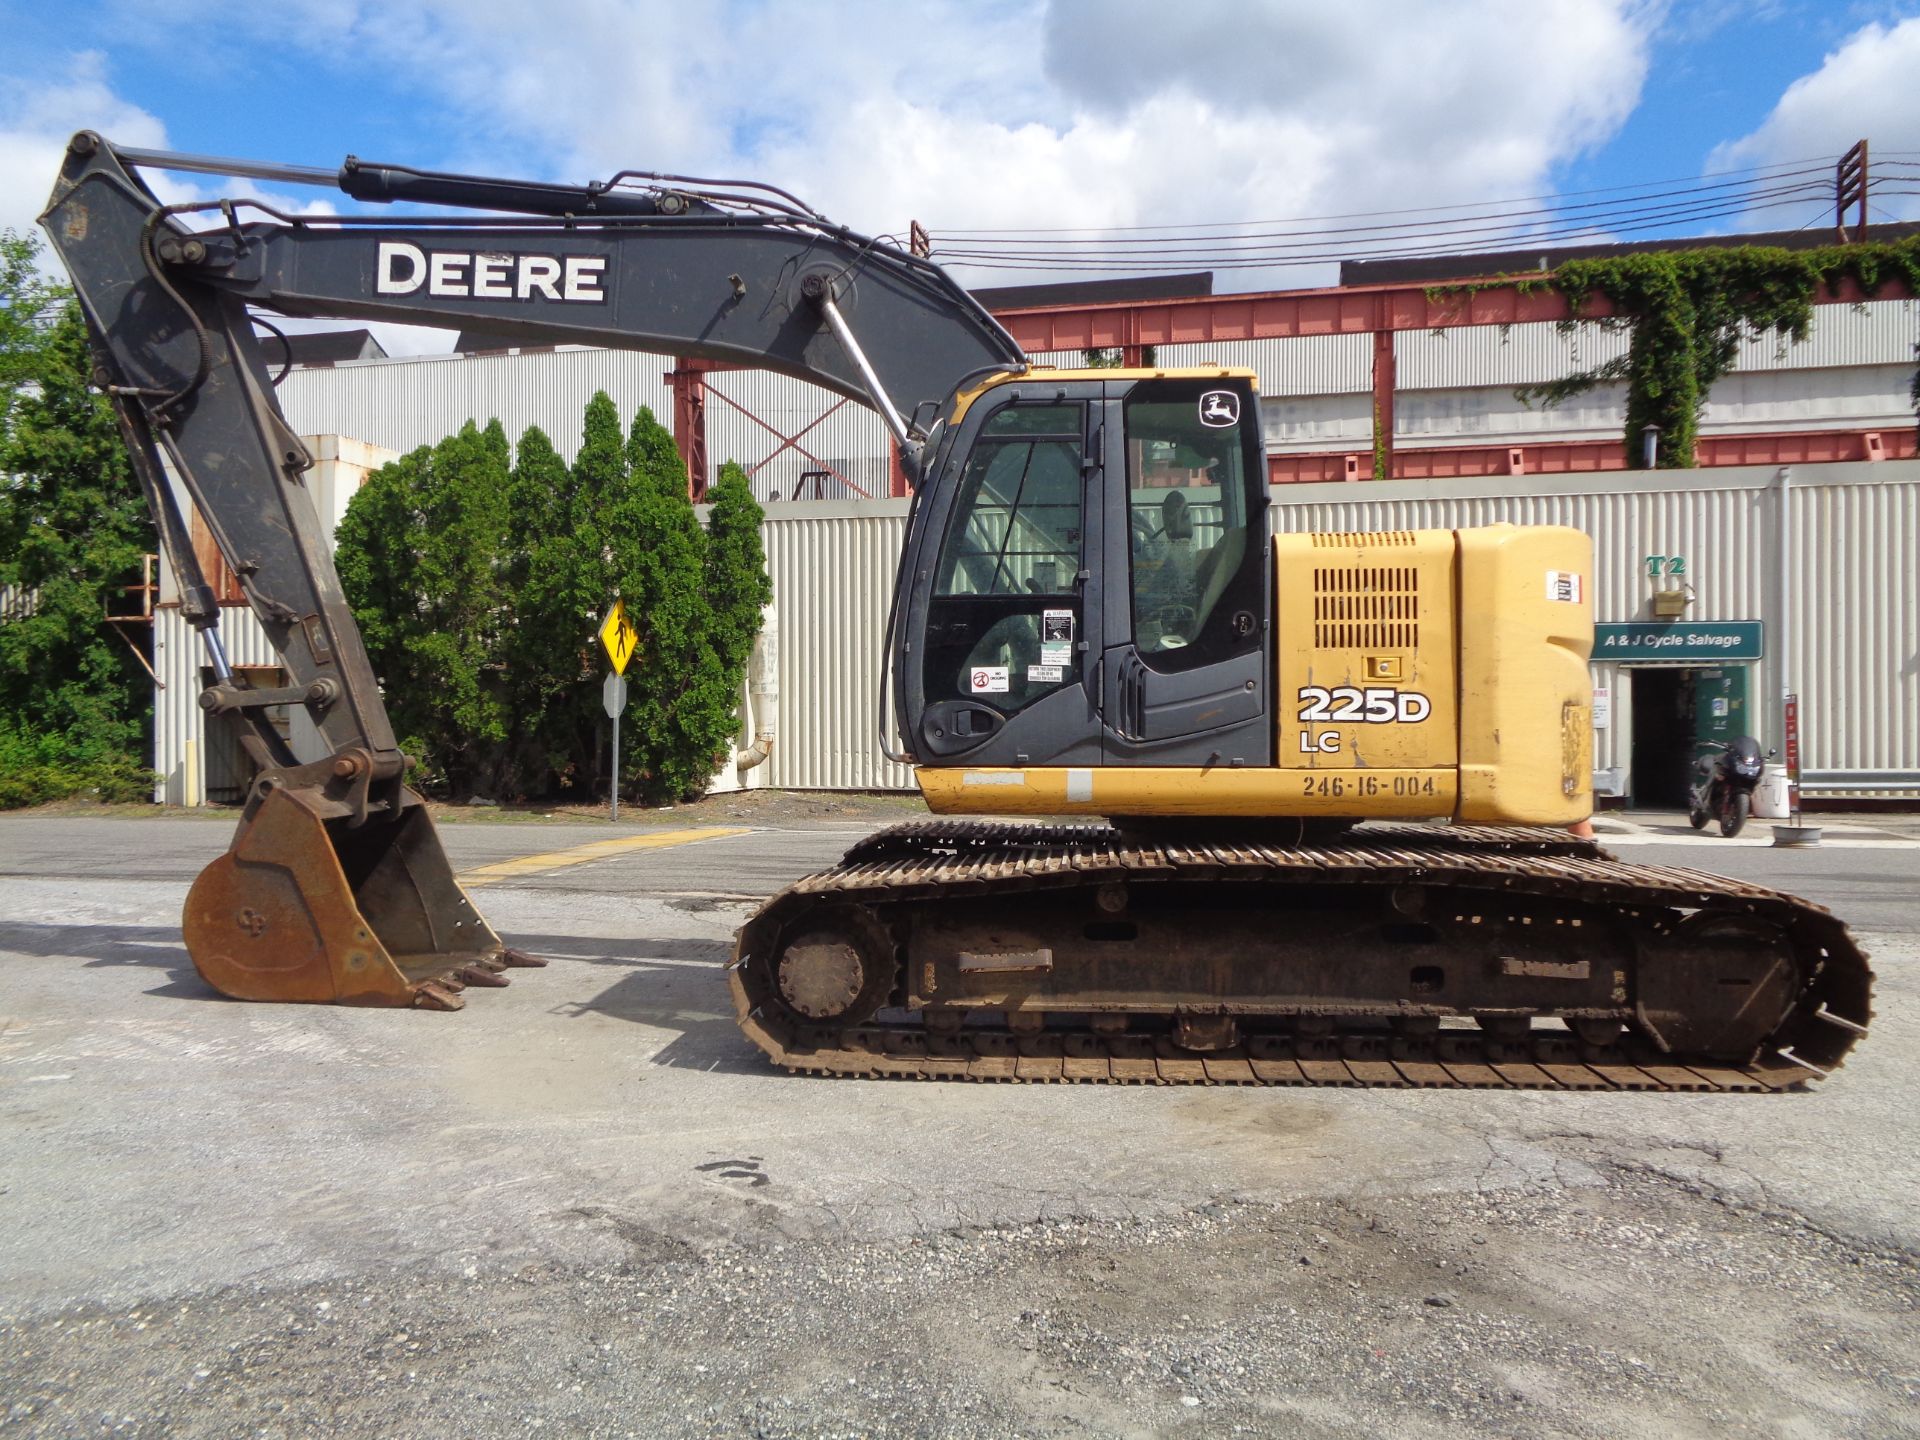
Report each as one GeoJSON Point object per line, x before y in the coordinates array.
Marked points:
{"type": "Point", "coordinates": [613, 697]}
{"type": "Point", "coordinates": [619, 637]}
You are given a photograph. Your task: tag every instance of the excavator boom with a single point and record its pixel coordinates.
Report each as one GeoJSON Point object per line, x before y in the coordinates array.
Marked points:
{"type": "Point", "coordinates": [336, 887]}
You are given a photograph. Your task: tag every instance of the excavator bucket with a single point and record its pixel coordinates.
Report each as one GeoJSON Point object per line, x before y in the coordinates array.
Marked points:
{"type": "Point", "coordinates": [306, 907]}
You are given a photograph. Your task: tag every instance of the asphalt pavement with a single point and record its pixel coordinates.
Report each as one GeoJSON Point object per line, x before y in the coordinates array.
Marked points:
{"type": "Point", "coordinates": [586, 1202]}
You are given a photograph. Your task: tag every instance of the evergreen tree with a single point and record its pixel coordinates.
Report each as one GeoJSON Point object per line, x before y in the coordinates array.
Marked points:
{"type": "Point", "coordinates": [75, 701]}
{"type": "Point", "coordinates": [659, 564]}
{"type": "Point", "coordinates": [738, 587]}
{"type": "Point", "coordinates": [420, 551]}
{"type": "Point", "coordinates": [549, 643]}
{"type": "Point", "coordinates": [481, 589]}
{"type": "Point", "coordinates": [573, 573]}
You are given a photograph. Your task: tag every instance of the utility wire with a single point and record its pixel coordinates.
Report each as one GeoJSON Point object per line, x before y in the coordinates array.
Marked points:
{"type": "Point", "coordinates": [1277, 243]}
{"type": "Point", "coordinates": [1296, 256]}
{"type": "Point", "coordinates": [1650, 189]}
{"type": "Point", "coordinates": [1231, 248]}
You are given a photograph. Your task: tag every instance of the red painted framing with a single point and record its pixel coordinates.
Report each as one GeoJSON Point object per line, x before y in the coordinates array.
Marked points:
{"type": "Point", "coordinates": [1377, 310]}
{"type": "Point", "coordinates": [1561, 457]}
{"type": "Point", "coordinates": [1345, 310]}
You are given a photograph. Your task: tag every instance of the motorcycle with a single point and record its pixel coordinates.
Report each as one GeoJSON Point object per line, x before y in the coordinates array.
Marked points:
{"type": "Point", "coordinates": [1723, 785]}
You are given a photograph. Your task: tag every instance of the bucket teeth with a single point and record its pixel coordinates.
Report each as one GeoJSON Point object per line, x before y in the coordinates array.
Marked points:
{"type": "Point", "coordinates": [482, 975]}
{"type": "Point", "coordinates": [521, 960]}
{"type": "Point", "coordinates": [438, 995]}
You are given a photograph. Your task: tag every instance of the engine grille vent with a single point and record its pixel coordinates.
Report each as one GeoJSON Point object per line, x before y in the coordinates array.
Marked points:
{"type": "Point", "coordinates": [1366, 607]}
{"type": "Point", "coordinates": [1355, 539]}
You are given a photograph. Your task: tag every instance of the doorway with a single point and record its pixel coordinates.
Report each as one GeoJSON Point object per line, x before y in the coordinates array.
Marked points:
{"type": "Point", "coordinates": [1679, 714]}
{"type": "Point", "coordinates": [1663, 719]}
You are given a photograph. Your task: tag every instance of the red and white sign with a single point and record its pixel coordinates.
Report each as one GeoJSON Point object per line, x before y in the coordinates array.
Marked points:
{"type": "Point", "coordinates": [1792, 718]}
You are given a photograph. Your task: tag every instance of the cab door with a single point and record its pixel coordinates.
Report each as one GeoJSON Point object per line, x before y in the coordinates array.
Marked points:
{"type": "Point", "coordinates": [1002, 624]}
{"type": "Point", "coordinates": [1187, 564]}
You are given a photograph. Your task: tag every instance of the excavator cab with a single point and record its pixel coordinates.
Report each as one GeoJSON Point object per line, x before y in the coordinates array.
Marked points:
{"type": "Point", "coordinates": [1086, 575]}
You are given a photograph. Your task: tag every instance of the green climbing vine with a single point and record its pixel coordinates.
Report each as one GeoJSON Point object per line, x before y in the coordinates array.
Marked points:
{"type": "Point", "coordinates": [1687, 312]}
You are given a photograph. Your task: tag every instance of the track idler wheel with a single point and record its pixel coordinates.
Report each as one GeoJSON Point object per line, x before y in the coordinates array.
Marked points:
{"type": "Point", "coordinates": [836, 970]}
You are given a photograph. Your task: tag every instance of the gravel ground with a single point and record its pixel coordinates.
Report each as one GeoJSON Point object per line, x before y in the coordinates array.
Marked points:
{"type": "Point", "coordinates": [1640, 1306]}
{"type": "Point", "coordinates": [584, 1207]}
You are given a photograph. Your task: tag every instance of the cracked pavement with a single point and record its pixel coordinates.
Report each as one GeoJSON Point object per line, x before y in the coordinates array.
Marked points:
{"type": "Point", "coordinates": [585, 1204]}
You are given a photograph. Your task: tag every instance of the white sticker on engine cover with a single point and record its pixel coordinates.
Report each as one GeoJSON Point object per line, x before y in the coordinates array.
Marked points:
{"type": "Point", "coordinates": [1080, 786]}
{"type": "Point", "coordinates": [988, 680]}
{"type": "Point", "coordinates": [1563, 585]}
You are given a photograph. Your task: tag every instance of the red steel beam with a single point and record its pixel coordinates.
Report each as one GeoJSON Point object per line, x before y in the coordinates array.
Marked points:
{"type": "Point", "coordinates": [1378, 310]}
{"type": "Point", "coordinates": [689, 384]}
{"type": "Point", "coordinates": [1560, 457]}
{"type": "Point", "coordinates": [1344, 310]}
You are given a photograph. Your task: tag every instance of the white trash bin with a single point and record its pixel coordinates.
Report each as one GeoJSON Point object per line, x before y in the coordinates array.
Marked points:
{"type": "Point", "coordinates": [1770, 795]}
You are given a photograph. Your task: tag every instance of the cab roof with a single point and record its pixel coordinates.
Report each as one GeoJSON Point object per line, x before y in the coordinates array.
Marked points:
{"type": "Point", "coordinates": [963, 400]}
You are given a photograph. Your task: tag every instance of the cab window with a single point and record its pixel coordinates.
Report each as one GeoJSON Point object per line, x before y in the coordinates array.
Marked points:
{"type": "Point", "coordinates": [1195, 513]}
{"type": "Point", "coordinates": [1006, 603]}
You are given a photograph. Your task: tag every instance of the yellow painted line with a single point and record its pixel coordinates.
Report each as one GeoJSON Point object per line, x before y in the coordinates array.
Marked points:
{"type": "Point", "coordinates": [592, 850]}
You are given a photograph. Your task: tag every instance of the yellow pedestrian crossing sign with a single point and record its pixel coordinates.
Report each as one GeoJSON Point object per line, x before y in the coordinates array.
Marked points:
{"type": "Point", "coordinates": [619, 636]}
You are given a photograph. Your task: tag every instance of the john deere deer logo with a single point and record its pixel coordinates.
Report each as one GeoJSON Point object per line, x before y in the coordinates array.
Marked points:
{"type": "Point", "coordinates": [1219, 409]}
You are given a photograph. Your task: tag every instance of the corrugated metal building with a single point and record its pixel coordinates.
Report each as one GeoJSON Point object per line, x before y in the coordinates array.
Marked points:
{"type": "Point", "coordinates": [402, 404]}
{"type": "Point", "coordinates": [1846, 612]}
{"type": "Point", "coordinates": [1847, 619]}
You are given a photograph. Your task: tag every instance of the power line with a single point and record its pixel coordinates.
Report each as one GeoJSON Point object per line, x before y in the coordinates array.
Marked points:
{"type": "Point", "coordinates": [1454, 230]}
{"type": "Point", "coordinates": [1414, 229]}
{"type": "Point", "coordinates": [1654, 187]}
{"type": "Point", "coordinates": [1439, 243]}
{"type": "Point", "coordinates": [1277, 243]}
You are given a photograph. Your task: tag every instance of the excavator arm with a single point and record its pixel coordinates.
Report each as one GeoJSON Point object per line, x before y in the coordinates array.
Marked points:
{"type": "Point", "coordinates": [336, 887]}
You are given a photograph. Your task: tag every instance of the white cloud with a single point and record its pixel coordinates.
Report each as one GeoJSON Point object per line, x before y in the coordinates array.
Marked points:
{"type": "Point", "coordinates": [1865, 88]}
{"type": "Point", "coordinates": [37, 120]}
{"type": "Point", "coordinates": [995, 114]}
{"type": "Point", "coordinates": [965, 114]}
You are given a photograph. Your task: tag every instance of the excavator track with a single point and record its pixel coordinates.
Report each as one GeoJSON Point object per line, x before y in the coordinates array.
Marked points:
{"type": "Point", "coordinates": [1427, 956]}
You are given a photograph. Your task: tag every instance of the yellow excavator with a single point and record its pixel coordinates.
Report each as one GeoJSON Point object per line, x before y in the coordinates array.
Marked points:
{"type": "Point", "coordinates": [1091, 624]}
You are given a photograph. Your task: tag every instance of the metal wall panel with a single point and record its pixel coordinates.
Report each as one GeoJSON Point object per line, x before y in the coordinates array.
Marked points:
{"type": "Point", "coordinates": [187, 764]}
{"type": "Point", "coordinates": [1454, 386]}
{"type": "Point", "coordinates": [1313, 365]}
{"type": "Point", "coordinates": [833, 567]}
{"type": "Point", "coordinates": [1854, 586]}
{"type": "Point", "coordinates": [403, 404]}
{"type": "Point", "coordinates": [847, 435]}
{"type": "Point", "coordinates": [1881, 332]}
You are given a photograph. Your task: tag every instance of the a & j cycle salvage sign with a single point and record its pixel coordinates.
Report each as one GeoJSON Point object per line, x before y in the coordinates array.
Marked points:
{"type": "Point", "coordinates": [1649, 642]}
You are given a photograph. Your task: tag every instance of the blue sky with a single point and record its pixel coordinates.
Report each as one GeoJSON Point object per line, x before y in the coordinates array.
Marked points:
{"type": "Point", "coordinates": [994, 114]}
{"type": "Point", "coordinates": [1716, 72]}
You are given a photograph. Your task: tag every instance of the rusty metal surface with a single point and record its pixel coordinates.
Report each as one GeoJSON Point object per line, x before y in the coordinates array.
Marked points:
{"type": "Point", "coordinates": [1689, 981]}
{"type": "Point", "coordinates": [307, 908]}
